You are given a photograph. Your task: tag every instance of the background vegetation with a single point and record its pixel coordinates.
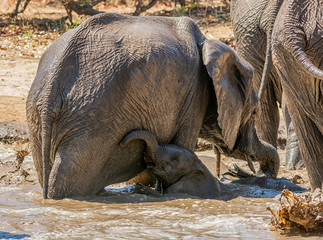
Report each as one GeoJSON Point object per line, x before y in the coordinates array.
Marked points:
{"type": "Point", "coordinates": [29, 26]}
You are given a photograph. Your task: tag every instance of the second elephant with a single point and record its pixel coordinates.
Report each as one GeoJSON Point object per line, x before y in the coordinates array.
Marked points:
{"type": "Point", "coordinates": [253, 22]}
{"type": "Point", "coordinates": [298, 57]}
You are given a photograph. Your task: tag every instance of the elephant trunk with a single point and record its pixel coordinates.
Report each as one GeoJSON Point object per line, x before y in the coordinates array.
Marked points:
{"type": "Point", "coordinates": [252, 149]}
{"type": "Point", "coordinates": [148, 137]}
{"type": "Point", "coordinates": [296, 41]}
{"type": "Point", "coordinates": [268, 157]}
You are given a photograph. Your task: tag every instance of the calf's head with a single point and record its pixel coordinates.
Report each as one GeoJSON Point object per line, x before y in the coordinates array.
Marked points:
{"type": "Point", "coordinates": [169, 163]}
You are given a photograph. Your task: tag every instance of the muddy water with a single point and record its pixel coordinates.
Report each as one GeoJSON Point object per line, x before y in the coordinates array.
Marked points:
{"type": "Point", "coordinates": [24, 212]}
{"type": "Point", "coordinates": [131, 212]}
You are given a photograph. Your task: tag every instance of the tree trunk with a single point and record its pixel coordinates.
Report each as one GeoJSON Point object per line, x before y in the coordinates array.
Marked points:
{"type": "Point", "coordinates": [15, 13]}
{"type": "Point", "coordinates": [86, 9]}
{"type": "Point", "coordinates": [140, 8]}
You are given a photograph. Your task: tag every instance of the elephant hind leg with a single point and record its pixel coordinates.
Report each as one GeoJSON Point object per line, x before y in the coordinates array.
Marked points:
{"type": "Point", "coordinates": [186, 137]}
{"type": "Point", "coordinates": [188, 132]}
{"type": "Point", "coordinates": [191, 122]}
{"type": "Point", "coordinates": [310, 138]}
{"type": "Point", "coordinates": [68, 178]}
{"type": "Point", "coordinates": [145, 178]}
{"type": "Point", "coordinates": [293, 155]}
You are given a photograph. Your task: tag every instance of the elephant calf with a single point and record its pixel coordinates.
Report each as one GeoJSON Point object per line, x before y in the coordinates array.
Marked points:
{"type": "Point", "coordinates": [177, 168]}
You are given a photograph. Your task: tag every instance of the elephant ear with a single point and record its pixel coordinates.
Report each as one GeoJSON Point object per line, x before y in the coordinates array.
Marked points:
{"type": "Point", "coordinates": [232, 85]}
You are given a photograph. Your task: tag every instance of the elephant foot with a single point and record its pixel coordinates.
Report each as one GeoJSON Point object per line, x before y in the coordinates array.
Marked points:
{"type": "Point", "coordinates": [293, 159]}
{"type": "Point", "coordinates": [239, 172]}
{"type": "Point", "coordinates": [293, 156]}
{"type": "Point", "coordinates": [159, 187]}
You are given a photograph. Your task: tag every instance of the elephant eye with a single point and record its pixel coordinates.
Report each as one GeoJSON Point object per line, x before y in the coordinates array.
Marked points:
{"type": "Point", "coordinates": [173, 158]}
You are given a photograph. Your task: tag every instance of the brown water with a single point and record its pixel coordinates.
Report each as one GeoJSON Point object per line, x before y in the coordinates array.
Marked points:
{"type": "Point", "coordinates": [133, 213]}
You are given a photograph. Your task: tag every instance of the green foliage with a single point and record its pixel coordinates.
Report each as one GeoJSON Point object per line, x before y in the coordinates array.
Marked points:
{"type": "Point", "coordinates": [28, 33]}
{"type": "Point", "coordinates": [72, 25]}
{"type": "Point", "coordinates": [59, 25]}
{"type": "Point", "coordinates": [186, 10]}
{"type": "Point", "coordinates": [84, 2]}
{"type": "Point", "coordinates": [180, 11]}
{"type": "Point", "coordinates": [192, 5]}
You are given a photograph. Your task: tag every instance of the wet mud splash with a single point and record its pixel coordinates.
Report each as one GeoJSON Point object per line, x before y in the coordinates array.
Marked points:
{"type": "Point", "coordinates": [299, 211]}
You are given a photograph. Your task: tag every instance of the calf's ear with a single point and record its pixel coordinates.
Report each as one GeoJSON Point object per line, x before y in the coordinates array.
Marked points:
{"type": "Point", "coordinates": [231, 78]}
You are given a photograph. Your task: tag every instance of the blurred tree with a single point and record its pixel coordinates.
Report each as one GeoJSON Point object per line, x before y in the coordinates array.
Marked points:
{"type": "Point", "coordinates": [19, 3]}
{"type": "Point", "coordinates": [226, 3]}
{"type": "Point", "coordinates": [81, 7]}
{"type": "Point", "coordinates": [86, 6]}
{"type": "Point", "coordinates": [140, 8]}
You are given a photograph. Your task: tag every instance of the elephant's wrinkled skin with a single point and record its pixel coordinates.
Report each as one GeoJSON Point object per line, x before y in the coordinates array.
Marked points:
{"type": "Point", "coordinates": [116, 73]}
{"type": "Point", "coordinates": [252, 22]}
{"type": "Point", "coordinates": [176, 168]}
{"type": "Point", "coordinates": [298, 57]}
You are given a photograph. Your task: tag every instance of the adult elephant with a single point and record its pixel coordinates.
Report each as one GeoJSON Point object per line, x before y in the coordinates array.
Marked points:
{"type": "Point", "coordinates": [114, 74]}
{"type": "Point", "coordinates": [253, 21]}
{"type": "Point", "coordinates": [298, 57]}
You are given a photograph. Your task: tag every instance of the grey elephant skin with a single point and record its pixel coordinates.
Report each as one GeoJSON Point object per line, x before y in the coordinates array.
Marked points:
{"type": "Point", "coordinates": [177, 169]}
{"type": "Point", "coordinates": [253, 22]}
{"type": "Point", "coordinates": [116, 73]}
{"type": "Point", "coordinates": [297, 44]}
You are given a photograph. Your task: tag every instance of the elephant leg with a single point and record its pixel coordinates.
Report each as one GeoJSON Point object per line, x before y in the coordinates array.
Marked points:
{"type": "Point", "coordinates": [188, 134]}
{"type": "Point", "coordinates": [293, 155]}
{"type": "Point", "coordinates": [217, 161]}
{"type": "Point", "coordinates": [72, 173]}
{"type": "Point", "coordinates": [37, 155]}
{"type": "Point", "coordinates": [145, 178]}
{"type": "Point", "coordinates": [62, 178]}
{"type": "Point", "coordinates": [189, 129]}
{"type": "Point", "coordinates": [267, 120]}
{"type": "Point", "coordinates": [310, 138]}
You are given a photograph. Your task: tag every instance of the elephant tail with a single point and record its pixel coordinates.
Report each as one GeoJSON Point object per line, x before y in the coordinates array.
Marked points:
{"type": "Point", "coordinates": [148, 137]}
{"type": "Point", "coordinates": [46, 146]}
{"type": "Point", "coordinates": [267, 66]}
{"type": "Point", "coordinates": [268, 61]}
